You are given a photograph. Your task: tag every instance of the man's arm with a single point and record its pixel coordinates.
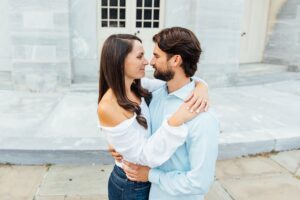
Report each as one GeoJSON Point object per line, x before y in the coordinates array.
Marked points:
{"type": "Point", "coordinates": [151, 84]}
{"type": "Point", "coordinates": [203, 150]}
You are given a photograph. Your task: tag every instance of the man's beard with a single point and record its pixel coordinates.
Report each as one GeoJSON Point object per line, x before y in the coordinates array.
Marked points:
{"type": "Point", "coordinates": [164, 75]}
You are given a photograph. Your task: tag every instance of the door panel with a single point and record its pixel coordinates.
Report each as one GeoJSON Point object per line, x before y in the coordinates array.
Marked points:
{"type": "Point", "coordinates": [254, 30]}
{"type": "Point", "coordinates": [143, 18]}
{"type": "Point", "coordinates": [114, 17]}
{"type": "Point", "coordinates": [148, 20]}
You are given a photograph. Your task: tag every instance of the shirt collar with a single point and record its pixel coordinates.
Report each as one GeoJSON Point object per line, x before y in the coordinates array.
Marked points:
{"type": "Point", "coordinates": [184, 91]}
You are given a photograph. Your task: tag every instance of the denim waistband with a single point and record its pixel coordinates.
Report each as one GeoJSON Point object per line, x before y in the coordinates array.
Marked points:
{"type": "Point", "coordinates": [120, 172]}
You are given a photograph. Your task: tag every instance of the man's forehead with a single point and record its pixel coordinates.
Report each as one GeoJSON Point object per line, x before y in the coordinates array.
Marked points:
{"type": "Point", "coordinates": [157, 49]}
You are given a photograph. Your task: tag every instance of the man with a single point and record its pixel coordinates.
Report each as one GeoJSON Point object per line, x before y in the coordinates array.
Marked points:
{"type": "Point", "coordinates": [189, 173]}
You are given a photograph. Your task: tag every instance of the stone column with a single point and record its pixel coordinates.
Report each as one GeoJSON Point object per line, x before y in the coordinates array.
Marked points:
{"type": "Point", "coordinates": [84, 54]}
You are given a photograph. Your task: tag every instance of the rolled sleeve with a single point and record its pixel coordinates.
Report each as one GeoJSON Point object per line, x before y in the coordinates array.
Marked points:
{"type": "Point", "coordinates": [202, 147]}
{"type": "Point", "coordinates": [154, 175]}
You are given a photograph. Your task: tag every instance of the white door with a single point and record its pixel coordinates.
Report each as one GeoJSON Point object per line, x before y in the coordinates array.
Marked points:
{"type": "Point", "coordinates": [254, 29]}
{"type": "Point", "coordinates": [143, 18]}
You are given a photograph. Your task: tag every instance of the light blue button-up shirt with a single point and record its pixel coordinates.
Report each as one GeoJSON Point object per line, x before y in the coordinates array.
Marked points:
{"type": "Point", "coordinates": [189, 173]}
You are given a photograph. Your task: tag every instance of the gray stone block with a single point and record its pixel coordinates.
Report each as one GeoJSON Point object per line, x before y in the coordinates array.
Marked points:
{"type": "Point", "coordinates": [61, 123]}
{"type": "Point", "coordinates": [41, 53]}
{"type": "Point", "coordinates": [36, 157]}
{"type": "Point", "coordinates": [275, 187]}
{"type": "Point", "coordinates": [248, 167]}
{"type": "Point", "coordinates": [61, 21]}
{"type": "Point", "coordinates": [172, 9]}
{"type": "Point", "coordinates": [219, 46]}
{"type": "Point", "coordinates": [289, 10]}
{"type": "Point", "coordinates": [224, 21]}
{"type": "Point", "coordinates": [76, 181]}
{"type": "Point", "coordinates": [38, 20]}
{"type": "Point", "coordinates": [16, 177]}
{"type": "Point", "coordinates": [41, 5]}
{"type": "Point", "coordinates": [289, 159]}
{"type": "Point", "coordinates": [40, 77]}
{"type": "Point", "coordinates": [236, 144]}
{"type": "Point", "coordinates": [217, 192]}
{"type": "Point", "coordinates": [85, 70]}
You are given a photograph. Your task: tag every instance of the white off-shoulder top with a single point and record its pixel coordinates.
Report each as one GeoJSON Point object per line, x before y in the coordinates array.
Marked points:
{"type": "Point", "coordinates": [138, 145]}
{"type": "Point", "coordinates": [134, 143]}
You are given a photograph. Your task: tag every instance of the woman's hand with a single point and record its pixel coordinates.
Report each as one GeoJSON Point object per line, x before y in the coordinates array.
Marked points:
{"type": "Point", "coordinates": [118, 157]}
{"type": "Point", "coordinates": [135, 172]}
{"type": "Point", "coordinates": [182, 115]}
{"type": "Point", "coordinates": [198, 101]}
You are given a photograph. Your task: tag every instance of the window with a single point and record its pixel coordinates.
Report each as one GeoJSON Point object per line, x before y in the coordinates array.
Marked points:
{"type": "Point", "coordinates": [147, 13]}
{"type": "Point", "coordinates": [113, 13]}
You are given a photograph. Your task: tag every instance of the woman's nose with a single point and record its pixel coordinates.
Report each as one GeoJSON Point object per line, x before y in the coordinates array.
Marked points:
{"type": "Point", "coordinates": [146, 62]}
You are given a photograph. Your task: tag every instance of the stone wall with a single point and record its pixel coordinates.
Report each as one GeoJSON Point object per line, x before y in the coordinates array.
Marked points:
{"type": "Point", "coordinates": [283, 37]}
{"type": "Point", "coordinates": [40, 38]}
{"type": "Point", "coordinates": [55, 42]}
{"type": "Point", "coordinates": [5, 43]}
{"type": "Point", "coordinates": [217, 24]}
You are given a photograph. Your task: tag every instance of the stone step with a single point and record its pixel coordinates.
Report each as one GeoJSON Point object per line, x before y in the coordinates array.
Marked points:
{"type": "Point", "coordinates": [263, 78]}
{"type": "Point", "coordinates": [82, 150]}
{"type": "Point", "coordinates": [85, 87]}
{"type": "Point", "coordinates": [261, 68]}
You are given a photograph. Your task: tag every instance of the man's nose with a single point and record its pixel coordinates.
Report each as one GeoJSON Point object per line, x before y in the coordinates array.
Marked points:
{"type": "Point", "coordinates": [152, 62]}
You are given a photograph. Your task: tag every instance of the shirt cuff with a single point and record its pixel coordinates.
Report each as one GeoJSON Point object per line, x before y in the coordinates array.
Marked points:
{"type": "Point", "coordinates": [154, 175]}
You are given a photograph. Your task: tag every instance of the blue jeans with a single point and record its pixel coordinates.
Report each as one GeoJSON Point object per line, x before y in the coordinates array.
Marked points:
{"type": "Point", "coordinates": [121, 188]}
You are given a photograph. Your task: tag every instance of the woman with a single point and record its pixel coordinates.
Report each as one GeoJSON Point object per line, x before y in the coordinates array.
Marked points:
{"type": "Point", "coordinates": [124, 115]}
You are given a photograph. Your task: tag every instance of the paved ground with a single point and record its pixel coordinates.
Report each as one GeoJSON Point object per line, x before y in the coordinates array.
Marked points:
{"type": "Point", "coordinates": [39, 128]}
{"type": "Point", "coordinates": [264, 177]}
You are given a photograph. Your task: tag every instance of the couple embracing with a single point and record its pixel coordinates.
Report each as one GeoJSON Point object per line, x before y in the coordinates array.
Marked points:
{"type": "Point", "coordinates": [161, 133]}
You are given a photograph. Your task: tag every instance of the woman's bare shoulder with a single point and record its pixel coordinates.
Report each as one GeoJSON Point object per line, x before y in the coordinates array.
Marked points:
{"type": "Point", "coordinates": [110, 113]}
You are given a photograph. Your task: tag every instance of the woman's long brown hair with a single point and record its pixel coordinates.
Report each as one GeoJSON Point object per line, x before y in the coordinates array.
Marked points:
{"type": "Point", "coordinates": [114, 51]}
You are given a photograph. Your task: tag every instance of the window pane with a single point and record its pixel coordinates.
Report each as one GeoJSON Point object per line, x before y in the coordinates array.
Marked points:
{"type": "Point", "coordinates": [147, 14]}
{"type": "Point", "coordinates": [138, 24]}
{"type": "Point", "coordinates": [104, 13]}
{"type": "Point", "coordinates": [156, 14]}
{"type": "Point", "coordinates": [122, 3]}
{"type": "Point", "coordinates": [121, 24]}
{"type": "Point", "coordinates": [155, 24]}
{"type": "Point", "coordinates": [138, 3]}
{"type": "Point", "coordinates": [138, 14]}
{"type": "Point", "coordinates": [113, 24]}
{"type": "Point", "coordinates": [122, 14]}
{"type": "Point", "coordinates": [104, 2]}
{"type": "Point", "coordinates": [156, 3]}
{"type": "Point", "coordinates": [113, 3]}
{"type": "Point", "coordinates": [148, 3]}
{"type": "Point", "coordinates": [113, 13]}
{"type": "Point", "coordinates": [104, 24]}
{"type": "Point", "coordinates": [147, 24]}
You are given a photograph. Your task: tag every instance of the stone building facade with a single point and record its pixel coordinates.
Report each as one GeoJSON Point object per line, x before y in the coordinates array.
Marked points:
{"type": "Point", "coordinates": [47, 45]}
